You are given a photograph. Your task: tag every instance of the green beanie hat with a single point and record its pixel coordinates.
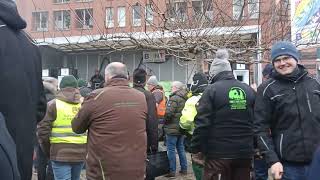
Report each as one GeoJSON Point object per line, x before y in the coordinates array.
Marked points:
{"type": "Point", "coordinates": [68, 81]}
{"type": "Point", "coordinates": [82, 83]}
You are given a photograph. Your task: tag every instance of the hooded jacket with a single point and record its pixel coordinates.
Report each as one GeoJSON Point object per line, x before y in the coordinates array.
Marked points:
{"type": "Point", "coordinates": [290, 109]}
{"type": "Point", "coordinates": [224, 122]}
{"type": "Point", "coordinates": [60, 151]}
{"type": "Point", "coordinates": [174, 111]}
{"type": "Point", "coordinates": [23, 103]}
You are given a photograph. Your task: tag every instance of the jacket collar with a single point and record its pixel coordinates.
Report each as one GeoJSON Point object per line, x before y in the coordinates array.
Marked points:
{"type": "Point", "coordinates": [303, 72]}
{"type": "Point", "coordinates": [117, 82]}
{"type": "Point", "coordinates": [224, 75]}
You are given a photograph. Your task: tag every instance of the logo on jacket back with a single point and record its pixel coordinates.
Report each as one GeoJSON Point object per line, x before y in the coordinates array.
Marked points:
{"type": "Point", "coordinates": [237, 98]}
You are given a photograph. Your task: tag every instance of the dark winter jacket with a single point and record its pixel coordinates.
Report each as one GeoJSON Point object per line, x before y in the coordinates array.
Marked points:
{"type": "Point", "coordinates": [313, 171]}
{"type": "Point", "coordinates": [224, 122]}
{"type": "Point", "coordinates": [173, 113]}
{"type": "Point", "coordinates": [152, 121]}
{"type": "Point", "coordinates": [290, 109]}
{"type": "Point", "coordinates": [23, 103]}
{"type": "Point", "coordinates": [8, 158]}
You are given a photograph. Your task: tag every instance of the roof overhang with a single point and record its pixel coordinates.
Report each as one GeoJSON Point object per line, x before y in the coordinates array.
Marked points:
{"type": "Point", "coordinates": [106, 42]}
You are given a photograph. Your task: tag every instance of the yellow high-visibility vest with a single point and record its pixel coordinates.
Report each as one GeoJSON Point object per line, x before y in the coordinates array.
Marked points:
{"type": "Point", "coordinates": [188, 114]}
{"type": "Point", "coordinates": [61, 128]}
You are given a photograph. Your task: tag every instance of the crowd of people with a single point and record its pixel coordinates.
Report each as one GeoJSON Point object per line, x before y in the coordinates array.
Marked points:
{"type": "Point", "coordinates": [109, 128]}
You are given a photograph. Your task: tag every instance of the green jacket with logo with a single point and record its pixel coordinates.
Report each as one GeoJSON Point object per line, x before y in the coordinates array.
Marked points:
{"type": "Point", "coordinates": [173, 112]}
{"type": "Point", "coordinates": [224, 120]}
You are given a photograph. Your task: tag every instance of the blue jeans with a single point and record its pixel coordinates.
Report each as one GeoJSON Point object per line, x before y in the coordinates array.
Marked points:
{"type": "Point", "coordinates": [174, 142]}
{"type": "Point", "coordinates": [294, 171]}
{"type": "Point", "coordinates": [67, 170]}
{"type": "Point", "coordinates": [261, 169]}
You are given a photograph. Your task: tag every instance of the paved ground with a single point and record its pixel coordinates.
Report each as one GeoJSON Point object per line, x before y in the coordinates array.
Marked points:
{"type": "Point", "coordinates": [189, 176]}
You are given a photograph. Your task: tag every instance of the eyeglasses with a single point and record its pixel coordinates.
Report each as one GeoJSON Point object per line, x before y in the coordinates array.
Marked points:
{"type": "Point", "coordinates": [284, 59]}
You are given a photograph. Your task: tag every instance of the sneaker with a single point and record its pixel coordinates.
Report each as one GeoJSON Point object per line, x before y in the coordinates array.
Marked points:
{"type": "Point", "coordinates": [183, 172]}
{"type": "Point", "coordinates": [171, 174]}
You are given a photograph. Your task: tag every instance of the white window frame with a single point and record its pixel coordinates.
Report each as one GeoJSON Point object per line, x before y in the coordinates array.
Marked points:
{"type": "Point", "coordinates": [136, 21]}
{"type": "Point", "coordinates": [201, 7]}
{"type": "Point", "coordinates": [149, 14]}
{"type": "Point", "coordinates": [39, 24]}
{"type": "Point", "coordinates": [237, 6]}
{"type": "Point", "coordinates": [208, 9]}
{"type": "Point", "coordinates": [109, 17]}
{"type": "Point", "coordinates": [121, 17]}
{"type": "Point", "coordinates": [83, 18]}
{"type": "Point", "coordinates": [61, 25]}
{"type": "Point", "coordinates": [61, 1]}
{"type": "Point", "coordinates": [180, 16]}
{"type": "Point", "coordinates": [253, 9]}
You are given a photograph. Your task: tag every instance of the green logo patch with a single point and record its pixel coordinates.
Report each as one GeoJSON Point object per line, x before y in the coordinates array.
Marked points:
{"type": "Point", "coordinates": [237, 98]}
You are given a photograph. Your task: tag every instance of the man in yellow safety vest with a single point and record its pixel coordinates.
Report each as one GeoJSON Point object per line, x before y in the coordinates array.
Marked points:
{"type": "Point", "coordinates": [66, 149]}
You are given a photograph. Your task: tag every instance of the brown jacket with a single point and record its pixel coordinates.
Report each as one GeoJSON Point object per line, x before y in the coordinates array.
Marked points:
{"type": "Point", "coordinates": [115, 117]}
{"type": "Point", "coordinates": [60, 152]}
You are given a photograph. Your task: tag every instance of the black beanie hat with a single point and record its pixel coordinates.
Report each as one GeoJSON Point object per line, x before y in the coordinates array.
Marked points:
{"type": "Point", "coordinates": [68, 81]}
{"type": "Point", "coordinates": [139, 76]}
{"type": "Point", "coordinates": [199, 80]}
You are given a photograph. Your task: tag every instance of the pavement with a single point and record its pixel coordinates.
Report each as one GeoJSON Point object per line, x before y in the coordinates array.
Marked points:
{"type": "Point", "coordinates": [189, 176]}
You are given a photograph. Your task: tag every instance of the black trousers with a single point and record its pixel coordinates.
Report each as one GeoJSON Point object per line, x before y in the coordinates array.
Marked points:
{"type": "Point", "coordinates": [227, 169]}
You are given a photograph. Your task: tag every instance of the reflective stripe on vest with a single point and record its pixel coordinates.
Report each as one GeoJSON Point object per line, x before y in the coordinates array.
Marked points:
{"type": "Point", "coordinates": [161, 107]}
{"type": "Point", "coordinates": [61, 127]}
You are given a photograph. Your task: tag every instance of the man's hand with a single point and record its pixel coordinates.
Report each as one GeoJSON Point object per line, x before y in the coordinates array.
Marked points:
{"type": "Point", "coordinates": [277, 171]}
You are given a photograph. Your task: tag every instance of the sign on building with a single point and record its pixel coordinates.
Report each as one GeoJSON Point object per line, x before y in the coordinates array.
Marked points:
{"type": "Point", "coordinates": [305, 20]}
{"type": "Point", "coordinates": [154, 56]}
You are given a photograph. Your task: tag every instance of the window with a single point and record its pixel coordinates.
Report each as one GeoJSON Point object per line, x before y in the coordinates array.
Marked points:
{"type": "Point", "coordinates": [136, 14]}
{"type": "Point", "coordinates": [197, 7]}
{"type": "Point", "coordinates": [61, 1]}
{"type": "Point", "coordinates": [84, 18]}
{"type": "Point", "coordinates": [181, 10]}
{"type": "Point", "coordinates": [149, 14]}
{"type": "Point", "coordinates": [83, 0]}
{"type": "Point", "coordinates": [177, 10]}
{"type": "Point", "coordinates": [62, 20]}
{"type": "Point", "coordinates": [208, 8]}
{"type": "Point", "coordinates": [253, 8]}
{"type": "Point", "coordinates": [238, 7]}
{"type": "Point", "coordinates": [109, 17]}
{"type": "Point", "coordinates": [40, 21]}
{"type": "Point", "coordinates": [121, 16]}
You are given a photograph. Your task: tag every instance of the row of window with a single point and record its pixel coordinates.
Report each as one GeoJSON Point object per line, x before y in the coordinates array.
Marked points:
{"type": "Point", "coordinates": [62, 19]}
{"type": "Point", "coordinates": [66, 1]}
{"type": "Point", "coordinates": [84, 17]}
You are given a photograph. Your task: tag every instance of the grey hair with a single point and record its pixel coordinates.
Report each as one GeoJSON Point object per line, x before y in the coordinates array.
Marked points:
{"type": "Point", "coordinates": [116, 69]}
{"type": "Point", "coordinates": [179, 85]}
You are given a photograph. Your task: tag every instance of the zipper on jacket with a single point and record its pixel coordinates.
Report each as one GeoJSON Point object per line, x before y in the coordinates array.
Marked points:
{"type": "Point", "coordinates": [264, 143]}
{"type": "Point", "coordinates": [281, 139]}
{"type": "Point", "coordinates": [300, 122]}
{"type": "Point", "coordinates": [309, 104]}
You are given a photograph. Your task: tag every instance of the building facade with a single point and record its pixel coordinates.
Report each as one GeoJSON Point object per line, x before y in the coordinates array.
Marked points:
{"type": "Point", "coordinates": [77, 34]}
